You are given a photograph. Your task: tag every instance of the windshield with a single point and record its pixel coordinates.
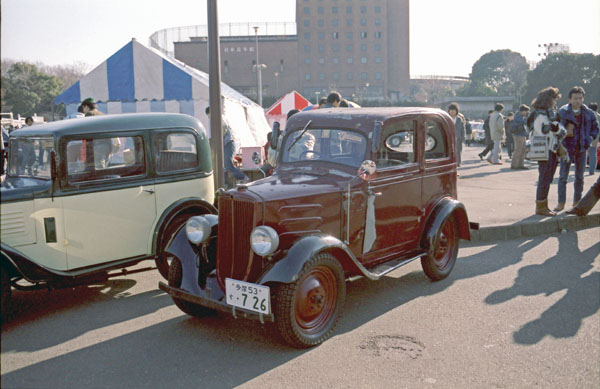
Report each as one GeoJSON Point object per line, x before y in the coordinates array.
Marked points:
{"type": "Point", "coordinates": [30, 157]}
{"type": "Point", "coordinates": [333, 145]}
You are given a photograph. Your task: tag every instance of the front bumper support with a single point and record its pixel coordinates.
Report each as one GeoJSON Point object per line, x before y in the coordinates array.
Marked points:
{"type": "Point", "coordinates": [214, 304]}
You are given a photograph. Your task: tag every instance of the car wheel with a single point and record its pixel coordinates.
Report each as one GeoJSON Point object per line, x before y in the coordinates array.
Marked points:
{"type": "Point", "coordinates": [307, 310]}
{"type": "Point", "coordinates": [163, 259]}
{"type": "Point", "coordinates": [6, 295]}
{"type": "Point", "coordinates": [439, 261]}
{"type": "Point", "coordinates": [175, 277]}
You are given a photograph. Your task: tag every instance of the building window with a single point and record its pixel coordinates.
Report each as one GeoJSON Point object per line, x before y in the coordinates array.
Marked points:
{"type": "Point", "coordinates": [349, 35]}
{"type": "Point", "coordinates": [307, 61]}
{"type": "Point", "coordinates": [363, 22]}
{"type": "Point", "coordinates": [377, 9]}
{"type": "Point", "coordinates": [307, 36]}
{"type": "Point", "coordinates": [363, 47]}
{"type": "Point", "coordinates": [363, 60]}
{"type": "Point", "coordinates": [335, 35]}
{"type": "Point", "coordinates": [335, 47]}
{"type": "Point", "coordinates": [377, 59]}
{"type": "Point", "coordinates": [363, 9]}
{"type": "Point", "coordinates": [378, 22]}
{"type": "Point", "coordinates": [307, 76]}
{"type": "Point", "coordinates": [363, 76]}
{"type": "Point", "coordinates": [321, 76]}
{"type": "Point", "coordinates": [320, 10]}
{"type": "Point", "coordinates": [349, 60]}
{"type": "Point", "coordinates": [321, 35]}
{"type": "Point", "coordinates": [321, 23]}
{"type": "Point", "coordinates": [378, 76]}
{"type": "Point", "coordinates": [322, 61]}
{"type": "Point", "coordinates": [336, 76]}
{"type": "Point", "coordinates": [378, 47]}
{"type": "Point", "coordinates": [335, 60]}
{"type": "Point", "coordinates": [306, 11]}
{"type": "Point", "coordinates": [226, 49]}
{"type": "Point", "coordinates": [349, 22]}
{"type": "Point", "coordinates": [377, 34]}
{"type": "Point", "coordinates": [363, 35]}
{"type": "Point", "coordinates": [334, 10]}
{"type": "Point", "coordinates": [321, 48]}
{"type": "Point", "coordinates": [251, 49]}
{"type": "Point", "coordinates": [349, 47]}
{"type": "Point", "coordinates": [350, 75]}
{"type": "Point", "coordinates": [281, 66]}
{"type": "Point", "coordinates": [334, 22]}
{"type": "Point", "coordinates": [307, 48]}
{"type": "Point", "coordinates": [306, 23]}
{"type": "Point", "coordinates": [225, 66]}
{"type": "Point", "coordinates": [348, 10]}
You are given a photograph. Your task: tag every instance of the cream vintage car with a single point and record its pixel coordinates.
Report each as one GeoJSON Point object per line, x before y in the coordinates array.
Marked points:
{"type": "Point", "coordinates": [83, 197]}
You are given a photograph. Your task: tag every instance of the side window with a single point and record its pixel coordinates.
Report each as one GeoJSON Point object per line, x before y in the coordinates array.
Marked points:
{"type": "Point", "coordinates": [105, 158]}
{"type": "Point", "coordinates": [436, 146]}
{"type": "Point", "coordinates": [175, 151]}
{"type": "Point", "coordinates": [397, 144]}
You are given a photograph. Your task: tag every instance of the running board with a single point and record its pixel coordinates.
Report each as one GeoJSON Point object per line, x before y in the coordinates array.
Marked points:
{"type": "Point", "coordinates": [379, 271]}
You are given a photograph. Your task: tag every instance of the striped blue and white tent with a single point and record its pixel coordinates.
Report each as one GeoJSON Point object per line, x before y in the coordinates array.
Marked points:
{"type": "Point", "coordinates": [141, 79]}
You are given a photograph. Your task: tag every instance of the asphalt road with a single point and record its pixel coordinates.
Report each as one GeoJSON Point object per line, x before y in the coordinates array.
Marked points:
{"type": "Point", "coordinates": [519, 313]}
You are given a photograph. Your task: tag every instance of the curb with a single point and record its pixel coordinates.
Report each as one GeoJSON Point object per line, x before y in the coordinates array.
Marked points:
{"type": "Point", "coordinates": [534, 228]}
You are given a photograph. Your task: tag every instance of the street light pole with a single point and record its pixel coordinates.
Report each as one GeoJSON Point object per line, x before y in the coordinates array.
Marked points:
{"type": "Point", "coordinates": [258, 68]}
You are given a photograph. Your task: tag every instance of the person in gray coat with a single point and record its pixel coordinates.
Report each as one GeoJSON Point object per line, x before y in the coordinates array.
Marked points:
{"type": "Point", "coordinates": [497, 133]}
{"type": "Point", "coordinates": [459, 123]}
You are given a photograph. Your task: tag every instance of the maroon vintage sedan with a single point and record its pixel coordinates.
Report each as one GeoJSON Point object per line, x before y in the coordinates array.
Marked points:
{"type": "Point", "coordinates": [356, 192]}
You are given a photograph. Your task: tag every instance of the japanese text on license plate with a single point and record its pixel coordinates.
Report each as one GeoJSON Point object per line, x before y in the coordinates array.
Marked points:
{"type": "Point", "coordinates": [249, 296]}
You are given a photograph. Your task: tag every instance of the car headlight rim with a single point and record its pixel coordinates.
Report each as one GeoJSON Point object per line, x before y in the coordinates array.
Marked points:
{"type": "Point", "coordinates": [264, 240]}
{"type": "Point", "coordinates": [197, 229]}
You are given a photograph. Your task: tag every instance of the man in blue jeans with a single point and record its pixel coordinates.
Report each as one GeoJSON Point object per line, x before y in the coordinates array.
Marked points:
{"type": "Point", "coordinates": [582, 127]}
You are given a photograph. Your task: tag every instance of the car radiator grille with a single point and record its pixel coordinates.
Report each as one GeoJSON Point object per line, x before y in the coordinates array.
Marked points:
{"type": "Point", "coordinates": [234, 255]}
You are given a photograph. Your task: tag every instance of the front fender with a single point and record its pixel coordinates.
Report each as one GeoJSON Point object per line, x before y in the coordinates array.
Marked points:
{"type": "Point", "coordinates": [442, 210]}
{"type": "Point", "coordinates": [190, 257]}
{"type": "Point", "coordinates": [287, 269]}
{"type": "Point", "coordinates": [18, 264]}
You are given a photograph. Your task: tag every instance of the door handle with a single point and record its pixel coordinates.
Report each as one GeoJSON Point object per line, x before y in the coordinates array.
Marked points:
{"type": "Point", "coordinates": [151, 191]}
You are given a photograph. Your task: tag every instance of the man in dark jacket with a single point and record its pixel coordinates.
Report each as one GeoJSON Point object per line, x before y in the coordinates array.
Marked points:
{"type": "Point", "coordinates": [519, 135]}
{"type": "Point", "coordinates": [582, 127]}
{"type": "Point", "coordinates": [488, 136]}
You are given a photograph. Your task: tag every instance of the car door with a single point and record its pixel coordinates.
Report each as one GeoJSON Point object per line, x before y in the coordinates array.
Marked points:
{"type": "Point", "coordinates": [109, 203]}
{"type": "Point", "coordinates": [395, 193]}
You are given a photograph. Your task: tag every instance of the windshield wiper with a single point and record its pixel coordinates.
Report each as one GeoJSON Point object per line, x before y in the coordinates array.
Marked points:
{"type": "Point", "coordinates": [300, 136]}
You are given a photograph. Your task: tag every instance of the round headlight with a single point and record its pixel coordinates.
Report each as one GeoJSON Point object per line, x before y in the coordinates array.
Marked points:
{"type": "Point", "coordinates": [197, 229]}
{"type": "Point", "coordinates": [264, 240]}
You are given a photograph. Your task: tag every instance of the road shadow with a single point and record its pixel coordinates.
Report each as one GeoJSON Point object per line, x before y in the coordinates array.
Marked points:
{"type": "Point", "coordinates": [582, 285]}
{"type": "Point", "coordinates": [85, 308]}
{"type": "Point", "coordinates": [221, 351]}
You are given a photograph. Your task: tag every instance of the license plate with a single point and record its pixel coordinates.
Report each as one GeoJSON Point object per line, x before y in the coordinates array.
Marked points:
{"type": "Point", "coordinates": [249, 296]}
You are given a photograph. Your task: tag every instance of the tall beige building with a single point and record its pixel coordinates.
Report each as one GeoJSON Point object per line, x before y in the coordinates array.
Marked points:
{"type": "Point", "coordinates": [358, 47]}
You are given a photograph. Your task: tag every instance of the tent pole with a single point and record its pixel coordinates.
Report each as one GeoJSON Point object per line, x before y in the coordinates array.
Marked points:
{"type": "Point", "coordinates": [214, 78]}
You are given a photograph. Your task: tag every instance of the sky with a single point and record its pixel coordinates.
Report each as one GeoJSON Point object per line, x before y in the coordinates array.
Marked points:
{"type": "Point", "coordinates": [446, 37]}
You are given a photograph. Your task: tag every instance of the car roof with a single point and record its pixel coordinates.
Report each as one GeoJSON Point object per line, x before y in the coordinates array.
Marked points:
{"type": "Point", "coordinates": [358, 118]}
{"type": "Point", "coordinates": [110, 123]}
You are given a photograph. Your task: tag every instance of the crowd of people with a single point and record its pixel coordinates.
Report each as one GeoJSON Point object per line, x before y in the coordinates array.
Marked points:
{"type": "Point", "coordinates": [558, 139]}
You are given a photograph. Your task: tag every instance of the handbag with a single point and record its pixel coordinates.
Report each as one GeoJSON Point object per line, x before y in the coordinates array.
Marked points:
{"type": "Point", "coordinates": [538, 150]}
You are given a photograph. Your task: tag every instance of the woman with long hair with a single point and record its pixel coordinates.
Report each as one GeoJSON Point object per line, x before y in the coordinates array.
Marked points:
{"type": "Point", "coordinates": [543, 119]}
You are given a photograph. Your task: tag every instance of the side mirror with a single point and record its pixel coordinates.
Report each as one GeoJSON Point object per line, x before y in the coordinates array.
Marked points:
{"type": "Point", "coordinates": [367, 170]}
{"type": "Point", "coordinates": [275, 135]}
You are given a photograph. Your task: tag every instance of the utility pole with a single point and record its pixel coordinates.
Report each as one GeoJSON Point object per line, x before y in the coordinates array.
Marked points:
{"type": "Point", "coordinates": [259, 67]}
{"type": "Point", "coordinates": [214, 85]}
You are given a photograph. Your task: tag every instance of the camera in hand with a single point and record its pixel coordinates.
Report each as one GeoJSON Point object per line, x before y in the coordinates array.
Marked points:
{"type": "Point", "coordinates": [552, 126]}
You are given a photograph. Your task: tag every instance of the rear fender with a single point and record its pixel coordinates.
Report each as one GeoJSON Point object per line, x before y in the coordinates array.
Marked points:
{"type": "Point", "coordinates": [443, 210]}
{"type": "Point", "coordinates": [287, 269]}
